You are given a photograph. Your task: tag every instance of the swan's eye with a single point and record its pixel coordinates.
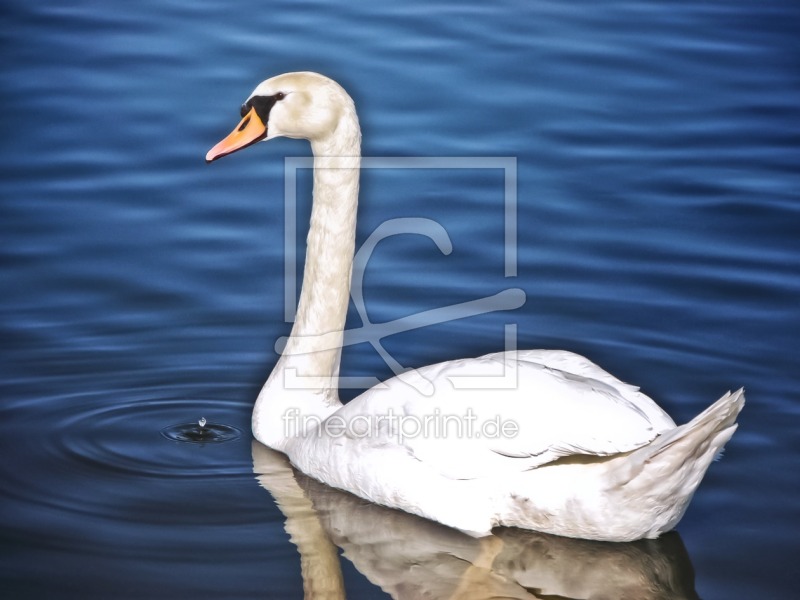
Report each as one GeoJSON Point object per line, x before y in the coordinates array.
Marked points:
{"type": "Point", "coordinates": [244, 110]}
{"type": "Point", "coordinates": [279, 96]}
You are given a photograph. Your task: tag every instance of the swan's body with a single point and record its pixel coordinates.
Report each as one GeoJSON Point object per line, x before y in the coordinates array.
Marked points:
{"type": "Point", "coordinates": [582, 453]}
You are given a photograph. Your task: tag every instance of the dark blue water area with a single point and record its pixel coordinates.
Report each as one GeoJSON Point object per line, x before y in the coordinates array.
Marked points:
{"type": "Point", "coordinates": [654, 149]}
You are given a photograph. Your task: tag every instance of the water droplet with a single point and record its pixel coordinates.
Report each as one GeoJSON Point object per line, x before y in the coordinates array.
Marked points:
{"type": "Point", "coordinates": [201, 432]}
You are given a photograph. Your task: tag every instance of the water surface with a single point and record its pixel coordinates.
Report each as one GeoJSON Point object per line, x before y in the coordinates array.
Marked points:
{"type": "Point", "coordinates": [656, 149]}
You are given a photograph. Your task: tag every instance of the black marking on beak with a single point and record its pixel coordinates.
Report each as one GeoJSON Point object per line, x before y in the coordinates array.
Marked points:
{"type": "Point", "coordinates": [262, 104]}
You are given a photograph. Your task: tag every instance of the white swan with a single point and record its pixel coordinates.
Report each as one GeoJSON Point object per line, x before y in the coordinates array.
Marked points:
{"type": "Point", "coordinates": [583, 455]}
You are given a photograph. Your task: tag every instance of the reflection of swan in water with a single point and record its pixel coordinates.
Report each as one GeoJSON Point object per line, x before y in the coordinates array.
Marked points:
{"type": "Point", "coordinates": [413, 558]}
{"type": "Point", "coordinates": [319, 560]}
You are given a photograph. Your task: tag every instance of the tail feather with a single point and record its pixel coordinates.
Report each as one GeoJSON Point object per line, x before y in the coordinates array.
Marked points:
{"type": "Point", "coordinates": [700, 433]}
{"type": "Point", "coordinates": [665, 474]}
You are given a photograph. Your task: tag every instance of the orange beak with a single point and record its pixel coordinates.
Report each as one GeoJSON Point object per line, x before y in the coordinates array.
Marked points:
{"type": "Point", "coordinates": [249, 131]}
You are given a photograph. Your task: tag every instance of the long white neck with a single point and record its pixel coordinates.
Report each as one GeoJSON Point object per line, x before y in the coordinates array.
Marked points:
{"type": "Point", "coordinates": [302, 389]}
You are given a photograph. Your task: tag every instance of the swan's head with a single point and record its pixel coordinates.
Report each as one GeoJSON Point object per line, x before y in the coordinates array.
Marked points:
{"type": "Point", "coordinates": [297, 105]}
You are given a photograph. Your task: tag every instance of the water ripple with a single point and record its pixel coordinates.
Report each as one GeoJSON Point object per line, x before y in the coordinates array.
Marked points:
{"type": "Point", "coordinates": [121, 438]}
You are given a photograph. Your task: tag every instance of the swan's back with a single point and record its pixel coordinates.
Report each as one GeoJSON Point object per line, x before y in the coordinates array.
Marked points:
{"type": "Point", "coordinates": [500, 413]}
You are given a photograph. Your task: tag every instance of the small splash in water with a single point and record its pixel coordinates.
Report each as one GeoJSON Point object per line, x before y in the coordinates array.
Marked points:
{"type": "Point", "coordinates": [201, 432]}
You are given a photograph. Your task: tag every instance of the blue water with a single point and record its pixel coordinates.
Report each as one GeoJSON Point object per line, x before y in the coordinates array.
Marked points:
{"type": "Point", "coordinates": [657, 151]}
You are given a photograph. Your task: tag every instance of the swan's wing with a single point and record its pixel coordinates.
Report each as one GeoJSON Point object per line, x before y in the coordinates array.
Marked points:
{"type": "Point", "coordinates": [505, 412]}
